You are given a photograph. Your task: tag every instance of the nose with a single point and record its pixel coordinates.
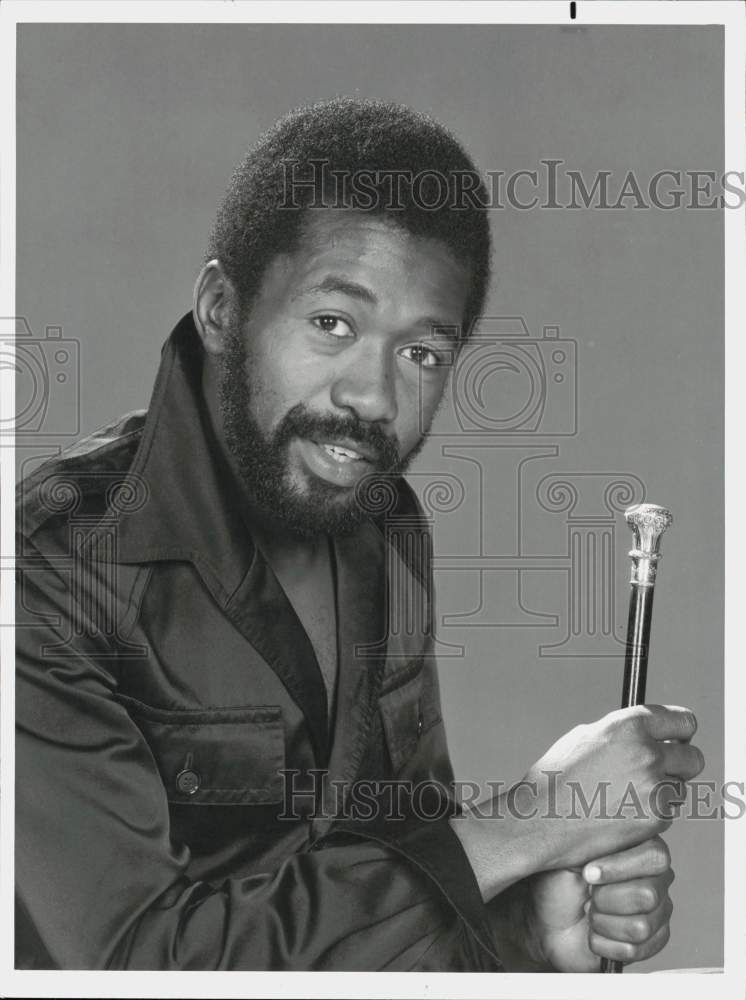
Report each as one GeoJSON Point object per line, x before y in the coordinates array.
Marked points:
{"type": "Point", "coordinates": [367, 386]}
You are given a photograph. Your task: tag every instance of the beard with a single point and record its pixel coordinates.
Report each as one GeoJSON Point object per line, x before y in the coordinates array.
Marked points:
{"type": "Point", "coordinates": [261, 460]}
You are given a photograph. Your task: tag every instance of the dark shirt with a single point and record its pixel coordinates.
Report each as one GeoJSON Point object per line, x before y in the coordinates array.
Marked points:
{"type": "Point", "coordinates": [169, 700]}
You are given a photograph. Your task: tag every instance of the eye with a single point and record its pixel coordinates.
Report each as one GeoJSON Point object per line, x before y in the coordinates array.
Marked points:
{"type": "Point", "coordinates": [424, 356]}
{"type": "Point", "coordinates": [335, 326]}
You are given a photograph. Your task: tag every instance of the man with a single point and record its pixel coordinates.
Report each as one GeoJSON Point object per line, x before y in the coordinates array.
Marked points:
{"type": "Point", "coordinates": [214, 703]}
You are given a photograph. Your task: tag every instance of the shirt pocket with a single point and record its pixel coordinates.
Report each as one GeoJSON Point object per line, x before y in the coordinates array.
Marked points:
{"type": "Point", "coordinates": [217, 756]}
{"type": "Point", "coordinates": [408, 711]}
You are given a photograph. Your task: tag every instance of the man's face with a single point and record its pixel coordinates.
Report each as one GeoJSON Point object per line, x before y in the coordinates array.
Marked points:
{"type": "Point", "coordinates": [338, 370]}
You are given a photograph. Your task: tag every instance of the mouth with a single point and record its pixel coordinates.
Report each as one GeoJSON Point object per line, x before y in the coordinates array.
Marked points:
{"type": "Point", "coordinates": [337, 462]}
{"type": "Point", "coordinates": [343, 451]}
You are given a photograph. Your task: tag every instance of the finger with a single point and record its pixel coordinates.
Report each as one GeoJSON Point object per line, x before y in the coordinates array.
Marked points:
{"type": "Point", "coordinates": [651, 857]}
{"type": "Point", "coordinates": [638, 895]}
{"type": "Point", "coordinates": [635, 928]}
{"type": "Point", "coordinates": [682, 760]}
{"type": "Point", "coordinates": [667, 798]}
{"type": "Point", "coordinates": [626, 951]}
{"type": "Point", "coordinates": [665, 722]}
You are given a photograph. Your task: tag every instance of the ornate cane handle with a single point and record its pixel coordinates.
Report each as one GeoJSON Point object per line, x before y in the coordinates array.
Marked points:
{"type": "Point", "coordinates": [648, 521]}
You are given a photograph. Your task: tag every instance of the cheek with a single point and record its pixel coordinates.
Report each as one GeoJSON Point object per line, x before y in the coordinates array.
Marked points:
{"type": "Point", "coordinates": [280, 378]}
{"type": "Point", "coordinates": [417, 407]}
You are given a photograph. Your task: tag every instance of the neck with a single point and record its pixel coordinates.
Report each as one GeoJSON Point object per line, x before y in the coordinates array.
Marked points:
{"type": "Point", "coordinates": [278, 542]}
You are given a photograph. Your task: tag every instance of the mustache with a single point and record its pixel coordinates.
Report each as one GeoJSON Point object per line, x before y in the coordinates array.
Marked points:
{"type": "Point", "coordinates": [302, 422]}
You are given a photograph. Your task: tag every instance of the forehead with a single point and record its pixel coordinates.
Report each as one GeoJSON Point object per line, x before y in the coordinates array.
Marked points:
{"type": "Point", "coordinates": [402, 270]}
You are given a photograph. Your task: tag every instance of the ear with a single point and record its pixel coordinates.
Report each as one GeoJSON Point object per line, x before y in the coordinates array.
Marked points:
{"type": "Point", "coordinates": [215, 301]}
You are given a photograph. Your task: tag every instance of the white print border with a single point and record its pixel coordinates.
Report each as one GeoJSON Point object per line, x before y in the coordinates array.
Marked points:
{"type": "Point", "coordinates": [729, 985]}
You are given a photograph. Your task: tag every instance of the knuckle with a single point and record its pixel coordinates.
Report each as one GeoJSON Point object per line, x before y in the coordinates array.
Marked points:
{"type": "Point", "coordinates": [627, 721]}
{"type": "Point", "coordinates": [659, 857]}
{"type": "Point", "coordinates": [640, 929]}
{"type": "Point", "coordinates": [648, 899]}
{"type": "Point", "coordinates": [648, 756]}
{"type": "Point", "coordinates": [584, 732]}
{"type": "Point", "coordinates": [659, 860]}
{"type": "Point", "coordinates": [629, 952]}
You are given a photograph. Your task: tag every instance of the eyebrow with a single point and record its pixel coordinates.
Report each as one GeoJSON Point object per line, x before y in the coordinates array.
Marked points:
{"type": "Point", "coordinates": [333, 283]}
{"type": "Point", "coordinates": [343, 286]}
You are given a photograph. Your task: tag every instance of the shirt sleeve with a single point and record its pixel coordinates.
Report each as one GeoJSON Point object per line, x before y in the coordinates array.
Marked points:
{"type": "Point", "coordinates": [101, 885]}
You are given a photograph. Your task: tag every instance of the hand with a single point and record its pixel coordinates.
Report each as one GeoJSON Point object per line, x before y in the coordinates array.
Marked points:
{"type": "Point", "coordinates": [614, 783]}
{"type": "Point", "coordinates": [600, 789]}
{"type": "Point", "coordinates": [625, 917]}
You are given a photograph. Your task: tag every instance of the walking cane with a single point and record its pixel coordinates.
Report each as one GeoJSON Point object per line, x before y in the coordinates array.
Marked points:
{"type": "Point", "coordinates": [648, 522]}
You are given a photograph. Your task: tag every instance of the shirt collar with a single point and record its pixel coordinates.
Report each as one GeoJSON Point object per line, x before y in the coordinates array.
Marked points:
{"type": "Point", "coordinates": [190, 506]}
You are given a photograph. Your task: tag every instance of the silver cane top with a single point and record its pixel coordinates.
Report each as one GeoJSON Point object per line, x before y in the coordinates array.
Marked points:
{"type": "Point", "coordinates": [647, 521]}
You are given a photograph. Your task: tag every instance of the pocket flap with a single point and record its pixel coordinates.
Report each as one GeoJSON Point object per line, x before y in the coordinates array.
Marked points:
{"type": "Point", "coordinates": [407, 712]}
{"type": "Point", "coordinates": [401, 717]}
{"type": "Point", "coordinates": [226, 756]}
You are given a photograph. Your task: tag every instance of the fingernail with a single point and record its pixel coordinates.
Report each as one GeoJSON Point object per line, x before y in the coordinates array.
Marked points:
{"type": "Point", "coordinates": [592, 873]}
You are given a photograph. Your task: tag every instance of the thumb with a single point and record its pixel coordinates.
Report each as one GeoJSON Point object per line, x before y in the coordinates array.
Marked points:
{"type": "Point", "coordinates": [560, 898]}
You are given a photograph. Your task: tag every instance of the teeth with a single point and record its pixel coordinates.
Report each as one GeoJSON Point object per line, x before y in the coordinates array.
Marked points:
{"type": "Point", "coordinates": [341, 454]}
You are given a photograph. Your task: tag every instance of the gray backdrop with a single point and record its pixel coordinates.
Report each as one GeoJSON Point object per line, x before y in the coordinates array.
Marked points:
{"type": "Point", "coordinates": [126, 137]}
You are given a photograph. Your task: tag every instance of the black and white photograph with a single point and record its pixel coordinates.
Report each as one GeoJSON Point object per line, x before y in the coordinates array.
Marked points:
{"type": "Point", "coordinates": [371, 535]}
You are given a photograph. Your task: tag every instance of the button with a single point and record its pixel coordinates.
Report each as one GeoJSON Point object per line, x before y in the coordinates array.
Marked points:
{"type": "Point", "coordinates": [188, 782]}
{"type": "Point", "coordinates": [420, 723]}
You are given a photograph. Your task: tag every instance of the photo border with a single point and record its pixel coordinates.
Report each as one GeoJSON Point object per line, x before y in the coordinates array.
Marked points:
{"type": "Point", "coordinates": [731, 984]}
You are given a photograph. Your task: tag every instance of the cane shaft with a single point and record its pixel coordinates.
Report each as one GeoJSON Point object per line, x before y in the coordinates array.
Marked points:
{"type": "Point", "coordinates": [635, 674]}
{"type": "Point", "coordinates": [648, 523]}
{"type": "Point", "coordinates": [638, 643]}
